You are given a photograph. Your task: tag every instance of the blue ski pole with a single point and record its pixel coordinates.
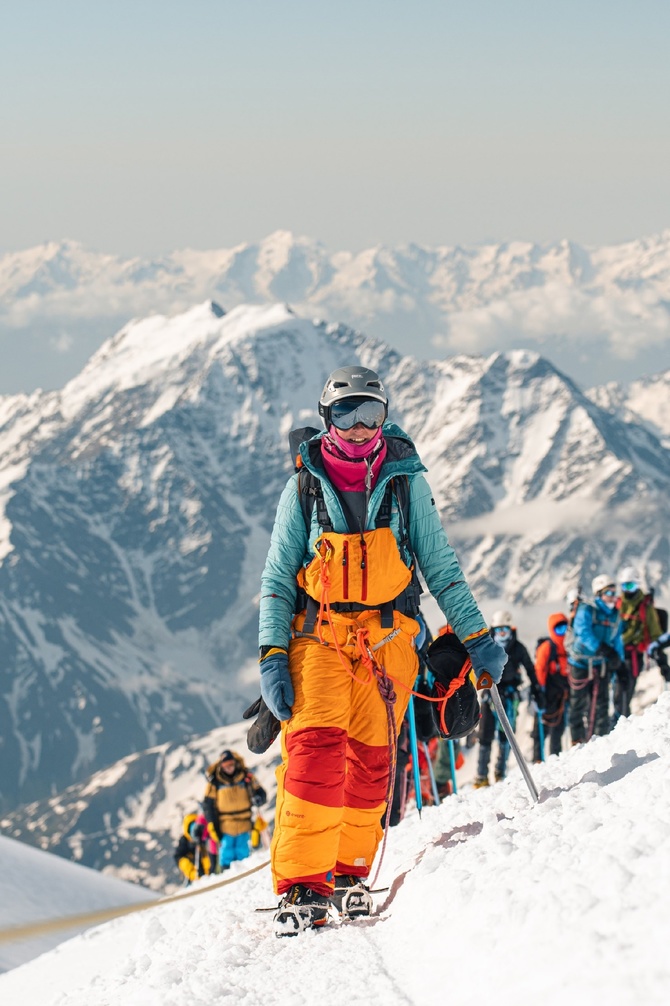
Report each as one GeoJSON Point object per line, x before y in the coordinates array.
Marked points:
{"type": "Point", "coordinates": [540, 733]}
{"type": "Point", "coordinates": [452, 767]}
{"type": "Point", "coordinates": [414, 748]}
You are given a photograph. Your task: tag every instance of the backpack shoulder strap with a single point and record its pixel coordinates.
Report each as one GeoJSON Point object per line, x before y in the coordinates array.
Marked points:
{"type": "Point", "coordinates": [401, 490]}
{"type": "Point", "coordinates": [310, 494]}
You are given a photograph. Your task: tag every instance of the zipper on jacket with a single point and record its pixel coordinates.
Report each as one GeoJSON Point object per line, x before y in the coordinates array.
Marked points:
{"type": "Point", "coordinates": [364, 568]}
{"type": "Point", "coordinates": [345, 570]}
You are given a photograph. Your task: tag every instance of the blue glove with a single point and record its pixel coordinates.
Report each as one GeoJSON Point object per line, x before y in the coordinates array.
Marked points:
{"type": "Point", "coordinates": [486, 655]}
{"type": "Point", "coordinates": [276, 684]}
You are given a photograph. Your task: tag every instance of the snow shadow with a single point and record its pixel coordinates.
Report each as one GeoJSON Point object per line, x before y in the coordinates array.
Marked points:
{"type": "Point", "coordinates": [621, 766]}
{"type": "Point", "coordinates": [447, 841]}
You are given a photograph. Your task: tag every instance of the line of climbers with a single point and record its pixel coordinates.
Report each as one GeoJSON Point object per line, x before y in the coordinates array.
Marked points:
{"type": "Point", "coordinates": [583, 676]}
{"type": "Point", "coordinates": [227, 826]}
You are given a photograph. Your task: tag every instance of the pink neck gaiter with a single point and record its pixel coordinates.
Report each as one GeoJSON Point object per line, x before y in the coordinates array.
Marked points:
{"type": "Point", "coordinates": [347, 464]}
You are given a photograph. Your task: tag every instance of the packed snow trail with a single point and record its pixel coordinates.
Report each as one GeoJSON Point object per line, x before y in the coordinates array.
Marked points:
{"type": "Point", "coordinates": [491, 899]}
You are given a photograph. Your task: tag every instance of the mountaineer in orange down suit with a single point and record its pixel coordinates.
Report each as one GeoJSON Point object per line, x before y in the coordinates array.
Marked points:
{"type": "Point", "coordinates": [337, 656]}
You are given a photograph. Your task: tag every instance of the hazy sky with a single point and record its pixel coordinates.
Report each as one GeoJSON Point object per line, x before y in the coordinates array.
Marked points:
{"type": "Point", "coordinates": [138, 126]}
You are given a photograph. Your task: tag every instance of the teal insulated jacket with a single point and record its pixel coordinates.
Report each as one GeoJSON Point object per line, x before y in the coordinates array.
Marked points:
{"type": "Point", "coordinates": [291, 547]}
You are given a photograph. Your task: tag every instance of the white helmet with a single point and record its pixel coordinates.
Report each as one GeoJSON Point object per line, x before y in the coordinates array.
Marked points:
{"type": "Point", "coordinates": [572, 596]}
{"type": "Point", "coordinates": [601, 581]}
{"type": "Point", "coordinates": [628, 574]}
{"type": "Point", "coordinates": [501, 618]}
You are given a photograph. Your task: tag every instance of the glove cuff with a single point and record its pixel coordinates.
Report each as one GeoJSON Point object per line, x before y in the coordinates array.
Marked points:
{"type": "Point", "coordinates": [268, 651]}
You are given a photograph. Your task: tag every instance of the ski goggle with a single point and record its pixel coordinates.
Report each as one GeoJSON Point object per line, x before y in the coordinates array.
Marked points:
{"type": "Point", "coordinates": [610, 592]}
{"type": "Point", "coordinates": [502, 632]}
{"type": "Point", "coordinates": [346, 414]}
{"type": "Point", "coordinates": [561, 628]}
{"type": "Point", "coordinates": [629, 587]}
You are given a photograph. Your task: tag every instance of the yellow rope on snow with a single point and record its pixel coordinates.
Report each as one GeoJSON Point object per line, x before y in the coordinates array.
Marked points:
{"type": "Point", "coordinates": [105, 914]}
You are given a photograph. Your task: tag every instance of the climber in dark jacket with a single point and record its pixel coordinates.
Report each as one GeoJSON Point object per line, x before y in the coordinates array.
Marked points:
{"type": "Point", "coordinates": [504, 633]}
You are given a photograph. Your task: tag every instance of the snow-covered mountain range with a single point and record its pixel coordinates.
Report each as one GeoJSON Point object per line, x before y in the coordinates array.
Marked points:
{"type": "Point", "coordinates": [136, 506]}
{"type": "Point", "coordinates": [595, 312]}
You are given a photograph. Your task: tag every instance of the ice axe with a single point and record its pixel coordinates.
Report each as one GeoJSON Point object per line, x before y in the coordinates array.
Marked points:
{"type": "Point", "coordinates": [486, 681]}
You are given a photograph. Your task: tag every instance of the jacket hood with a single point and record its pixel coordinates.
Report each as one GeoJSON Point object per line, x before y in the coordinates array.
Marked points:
{"type": "Point", "coordinates": [214, 770]}
{"type": "Point", "coordinates": [552, 622]}
{"type": "Point", "coordinates": [188, 821]}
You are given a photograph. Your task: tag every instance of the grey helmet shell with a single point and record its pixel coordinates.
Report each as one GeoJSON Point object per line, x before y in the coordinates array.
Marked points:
{"type": "Point", "coordinates": [350, 382]}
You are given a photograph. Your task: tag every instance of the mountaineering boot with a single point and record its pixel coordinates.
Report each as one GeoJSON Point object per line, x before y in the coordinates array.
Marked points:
{"type": "Point", "coordinates": [301, 908]}
{"type": "Point", "coordinates": [481, 781]}
{"type": "Point", "coordinates": [351, 897]}
{"type": "Point", "coordinates": [499, 777]}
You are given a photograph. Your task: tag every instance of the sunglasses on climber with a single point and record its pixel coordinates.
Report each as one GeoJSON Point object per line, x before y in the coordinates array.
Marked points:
{"type": "Point", "coordinates": [610, 592]}
{"type": "Point", "coordinates": [348, 412]}
{"type": "Point", "coordinates": [561, 628]}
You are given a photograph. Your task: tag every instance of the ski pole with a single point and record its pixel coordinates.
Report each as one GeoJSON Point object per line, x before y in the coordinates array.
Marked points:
{"type": "Point", "coordinates": [433, 784]}
{"type": "Point", "coordinates": [452, 767]}
{"type": "Point", "coordinates": [486, 681]}
{"type": "Point", "coordinates": [540, 733]}
{"type": "Point", "coordinates": [414, 748]}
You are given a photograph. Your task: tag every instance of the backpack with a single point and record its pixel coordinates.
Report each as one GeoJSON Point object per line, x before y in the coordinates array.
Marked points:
{"type": "Point", "coordinates": [553, 653]}
{"type": "Point", "coordinates": [447, 660]}
{"type": "Point", "coordinates": [639, 614]}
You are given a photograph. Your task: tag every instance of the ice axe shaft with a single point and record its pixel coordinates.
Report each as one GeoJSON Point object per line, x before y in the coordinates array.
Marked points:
{"type": "Point", "coordinates": [486, 681]}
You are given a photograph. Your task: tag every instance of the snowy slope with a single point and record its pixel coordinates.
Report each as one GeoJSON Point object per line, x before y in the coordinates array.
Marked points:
{"type": "Point", "coordinates": [136, 506]}
{"type": "Point", "coordinates": [126, 819]}
{"type": "Point", "coordinates": [491, 899]}
{"type": "Point", "coordinates": [595, 311]}
{"type": "Point", "coordinates": [36, 886]}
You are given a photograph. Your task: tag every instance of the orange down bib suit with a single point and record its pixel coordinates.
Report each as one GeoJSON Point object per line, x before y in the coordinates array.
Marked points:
{"type": "Point", "coordinates": [338, 746]}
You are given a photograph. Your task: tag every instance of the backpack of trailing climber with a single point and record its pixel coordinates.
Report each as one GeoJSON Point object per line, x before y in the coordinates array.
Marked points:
{"type": "Point", "coordinates": [556, 685]}
{"type": "Point", "coordinates": [457, 712]}
{"type": "Point", "coordinates": [553, 655]}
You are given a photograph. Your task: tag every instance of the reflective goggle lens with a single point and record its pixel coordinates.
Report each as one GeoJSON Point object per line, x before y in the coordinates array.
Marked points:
{"type": "Point", "coordinates": [368, 411]}
{"type": "Point", "coordinates": [609, 592]}
{"type": "Point", "coordinates": [561, 628]}
{"type": "Point", "coordinates": [630, 586]}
